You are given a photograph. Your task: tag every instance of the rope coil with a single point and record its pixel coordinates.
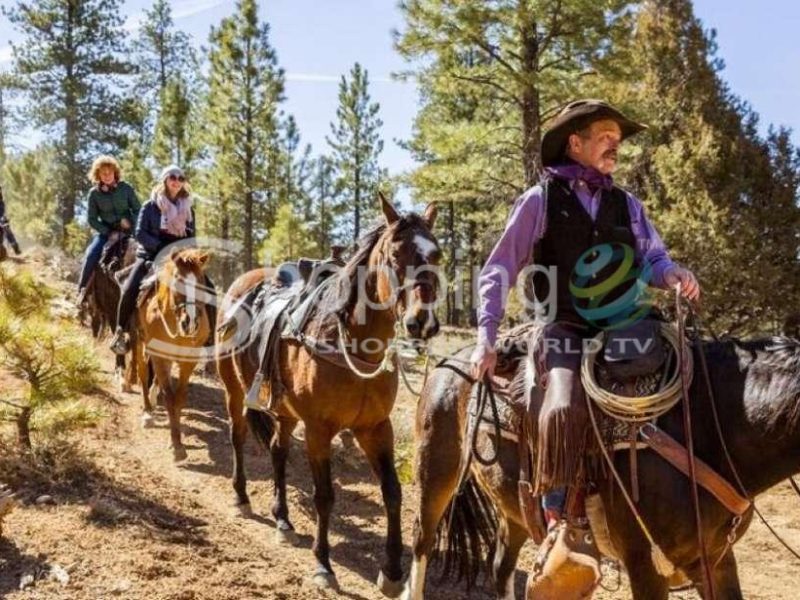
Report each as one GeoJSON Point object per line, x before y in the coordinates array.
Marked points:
{"type": "Point", "coordinates": [636, 409]}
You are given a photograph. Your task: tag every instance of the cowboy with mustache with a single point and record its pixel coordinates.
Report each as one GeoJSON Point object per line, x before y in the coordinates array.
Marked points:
{"type": "Point", "coordinates": [555, 224]}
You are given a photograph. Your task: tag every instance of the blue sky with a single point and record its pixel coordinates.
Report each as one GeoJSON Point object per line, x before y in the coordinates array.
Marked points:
{"type": "Point", "coordinates": [319, 40]}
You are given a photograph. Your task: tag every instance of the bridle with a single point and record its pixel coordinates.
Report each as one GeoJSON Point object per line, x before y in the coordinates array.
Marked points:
{"type": "Point", "coordinates": [398, 296]}
{"type": "Point", "coordinates": [189, 301]}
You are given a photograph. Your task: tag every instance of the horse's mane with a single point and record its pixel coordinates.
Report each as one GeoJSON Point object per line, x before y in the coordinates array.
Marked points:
{"type": "Point", "coordinates": [772, 388]}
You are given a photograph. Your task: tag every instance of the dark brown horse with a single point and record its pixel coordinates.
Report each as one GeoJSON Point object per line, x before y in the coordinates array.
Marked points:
{"type": "Point", "coordinates": [102, 299]}
{"type": "Point", "coordinates": [328, 396]}
{"type": "Point", "coordinates": [757, 389]}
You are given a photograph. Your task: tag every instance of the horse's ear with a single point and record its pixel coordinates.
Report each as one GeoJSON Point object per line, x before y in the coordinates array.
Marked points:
{"type": "Point", "coordinates": [389, 211]}
{"type": "Point", "coordinates": [202, 259]}
{"type": "Point", "coordinates": [429, 216]}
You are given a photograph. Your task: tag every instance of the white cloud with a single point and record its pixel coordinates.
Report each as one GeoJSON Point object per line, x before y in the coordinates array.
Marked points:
{"type": "Point", "coordinates": [5, 54]}
{"type": "Point", "coordinates": [180, 10]}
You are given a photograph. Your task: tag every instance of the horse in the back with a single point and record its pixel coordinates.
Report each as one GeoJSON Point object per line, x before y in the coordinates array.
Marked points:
{"type": "Point", "coordinates": [102, 299]}
{"type": "Point", "coordinates": [338, 373]}
{"type": "Point", "coordinates": [172, 327]}
{"type": "Point", "coordinates": [755, 386]}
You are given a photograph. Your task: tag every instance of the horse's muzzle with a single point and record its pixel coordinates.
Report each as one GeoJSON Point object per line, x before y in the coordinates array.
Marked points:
{"type": "Point", "coordinates": [422, 326]}
{"type": "Point", "coordinates": [188, 326]}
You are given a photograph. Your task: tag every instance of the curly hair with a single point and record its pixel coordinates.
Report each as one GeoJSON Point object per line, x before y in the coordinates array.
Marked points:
{"type": "Point", "coordinates": [99, 163]}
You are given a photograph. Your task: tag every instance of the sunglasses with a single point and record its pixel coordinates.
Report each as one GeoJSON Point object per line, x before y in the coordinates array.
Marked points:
{"type": "Point", "coordinates": [180, 178]}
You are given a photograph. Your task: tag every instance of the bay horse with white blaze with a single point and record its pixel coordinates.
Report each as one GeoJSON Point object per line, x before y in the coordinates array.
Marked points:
{"type": "Point", "coordinates": [755, 388]}
{"type": "Point", "coordinates": [172, 326]}
{"type": "Point", "coordinates": [370, 297]}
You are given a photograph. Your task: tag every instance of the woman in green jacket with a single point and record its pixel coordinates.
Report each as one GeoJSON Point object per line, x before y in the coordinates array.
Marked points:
{"type": "Point", "coordinates": [113, 206]}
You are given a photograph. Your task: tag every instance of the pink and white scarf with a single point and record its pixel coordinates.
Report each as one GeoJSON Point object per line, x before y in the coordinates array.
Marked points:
{"type": "Point", "coordinates": [175, 215]}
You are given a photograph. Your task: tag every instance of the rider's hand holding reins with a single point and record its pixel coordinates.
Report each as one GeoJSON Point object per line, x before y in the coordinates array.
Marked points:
{"type": "Point", "coordinates": [684, 278]}
{"type": "Point", "coordinates": [483, 359]}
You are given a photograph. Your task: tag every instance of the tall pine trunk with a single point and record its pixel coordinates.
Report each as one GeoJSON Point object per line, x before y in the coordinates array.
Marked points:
{"type": "Point", "coordinates": [24, 428]}
{"type": "Point", "coordinates": [74, 175]}
{"type": "Point", "coordinates": [451, 237]}
{"type": "Point", "coordinates": [531, 126]}
{"type": "Point", "coordinates": [357, 206]}
{"type": "Point", "coordinates": [473, 319]}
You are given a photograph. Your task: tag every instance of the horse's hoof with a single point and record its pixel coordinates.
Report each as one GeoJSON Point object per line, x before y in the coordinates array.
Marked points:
{"type": "Point", "coordinates": [179, 454]}
{"type": "Point", "coordinates": [388, 587]}
{"type": "Point", "coordinates": [243, 509]}
{"type": "Point", "coordinates": [324, 579]}
{"type": "Point", "coordinates": [285, 536]}
{"type": "Point", "coordinates": [148, 421]}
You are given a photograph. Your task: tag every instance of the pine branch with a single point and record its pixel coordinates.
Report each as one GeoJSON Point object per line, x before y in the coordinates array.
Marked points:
{"type": "Point", "coordinates": [12, 404]}
{"type": "Point", "coordinates": [509, 96]}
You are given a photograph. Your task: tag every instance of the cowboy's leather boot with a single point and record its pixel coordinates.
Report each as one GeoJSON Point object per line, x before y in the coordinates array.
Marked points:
{"type": "Point", "coordinates": [567, 566]}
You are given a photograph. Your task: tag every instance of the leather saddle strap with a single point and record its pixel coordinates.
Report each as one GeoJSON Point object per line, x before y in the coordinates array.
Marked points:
{"type": "Point", "coordinates": [528, 502]}
{"type": "Point", "coordinates": [675, 454]}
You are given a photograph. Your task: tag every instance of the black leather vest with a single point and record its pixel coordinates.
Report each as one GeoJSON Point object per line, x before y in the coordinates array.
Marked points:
{"type": "Point", "coordinates": [569, 233]}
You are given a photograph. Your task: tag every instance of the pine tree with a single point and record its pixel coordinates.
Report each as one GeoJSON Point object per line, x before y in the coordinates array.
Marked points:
{"type": "Point", "coordinates": [69, 63]}
{"type": "Point", "coordinates": [323, 202]}
{"type": "Point", "coordinates": [54, 358]}
{"type": "Point", "coordinates": [293, 172]}
{"type": "Point", "coordinates": [245, 88]}
{"type": "Point", "coordinates": [31, 193]}
{"type": "Point", "coordinates": [714, 188]}
{"type": "Point", "coordinates": [355, 145]}
{"type": "Point", "coordinates": [173, 141]}
{"type": "Point", "coordinates": [5, 121]}
{"type": "Point", "coordinates": [521, 59]}
{"type": "Point", "coordinates": [169, 76]}
{"type": "Point", "coordinates": [163, 51]}
{"type": "Point", "coordinates": [289, 238]}
{"type": "Point", "coordinates": [133, 162]}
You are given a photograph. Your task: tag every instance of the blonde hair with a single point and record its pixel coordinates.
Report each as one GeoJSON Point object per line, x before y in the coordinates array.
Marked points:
{"type": "Point", "coordinates": [161, 190]}
{"type": "Point", "coordinates": [102, 162]}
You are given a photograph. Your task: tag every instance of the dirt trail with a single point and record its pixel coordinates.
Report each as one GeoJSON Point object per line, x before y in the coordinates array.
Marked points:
{"type": "Point", "coordinates": [139, 526]}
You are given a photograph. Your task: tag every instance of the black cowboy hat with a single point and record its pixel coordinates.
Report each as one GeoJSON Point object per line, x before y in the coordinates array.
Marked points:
{"type": "Point", "coordinates": [576, 116]}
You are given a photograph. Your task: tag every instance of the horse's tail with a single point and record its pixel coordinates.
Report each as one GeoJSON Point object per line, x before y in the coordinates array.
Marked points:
{"type": "Point", "coordinates": [262, 425]}
{"type": "Point", "coordinates": [465, 539]}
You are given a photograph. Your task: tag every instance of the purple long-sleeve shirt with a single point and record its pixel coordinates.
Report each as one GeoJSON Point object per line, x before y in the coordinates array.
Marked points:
{"type": "Point", "coordinates": [527, 224]}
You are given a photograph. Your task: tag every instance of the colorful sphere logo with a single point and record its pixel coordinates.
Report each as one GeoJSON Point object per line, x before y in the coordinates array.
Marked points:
{"type": "Point", "coordinates": [620, 297]}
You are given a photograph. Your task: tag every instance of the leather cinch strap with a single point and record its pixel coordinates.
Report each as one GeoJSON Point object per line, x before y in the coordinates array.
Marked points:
{"type": "Point", "coordinates": [675, 454]}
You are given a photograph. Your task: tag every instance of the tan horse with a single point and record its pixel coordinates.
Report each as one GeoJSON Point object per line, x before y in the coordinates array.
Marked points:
{"type": "Point", "coordinates": [172, 328]}
{"type": "Point", "coordinates": [330, 397]}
